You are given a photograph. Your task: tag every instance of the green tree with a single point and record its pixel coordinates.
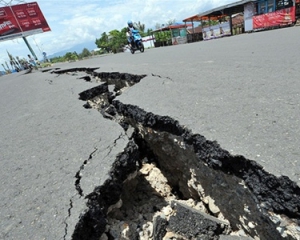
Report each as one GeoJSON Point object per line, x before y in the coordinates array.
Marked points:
{"type": "Point", "coordinates": [102, 42]}
{"type": "Point", "coordinates": [71, 56]}
{"type": "Point", "coordinates": [149, 31]}
{"type": "Point", "coordinates": [171, 22]}
{"type": "Point", "coordinates": [85, 53]}
{"type": "Point", "coordinates": [124, 31]}
{"type": "Point", "coordinates": [117, 39]}
{"type": "Point", "coordinates": [162, 36]}
{"type": "Point", "coordinates": [57, 59]}
{"type": "Point", "coordinates": [141, 27]}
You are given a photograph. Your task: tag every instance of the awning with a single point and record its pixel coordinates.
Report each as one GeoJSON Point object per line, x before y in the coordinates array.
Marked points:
{"type": "Point", "coordinates": [176, 26]}
{"type": "Point", "coordinates": [219, 12]}
{"type": "Point", "coordinates": [197, 18]}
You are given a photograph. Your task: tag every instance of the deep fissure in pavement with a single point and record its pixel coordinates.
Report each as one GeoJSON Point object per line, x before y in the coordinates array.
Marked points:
{"type": "Point", "coordinates": [169, 182]}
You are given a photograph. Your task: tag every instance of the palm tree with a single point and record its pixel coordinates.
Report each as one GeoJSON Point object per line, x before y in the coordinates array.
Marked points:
{"type": "Point", "coordinates": [4, 67]}
{"type": "Point", "coordinates": [171, 22]}
{"type": "Point", "coordinates": [7, 67]}
{"type": "Point", "coordinates": [149, 31]}
{"type": "Point", "coordinates": [140, 26]}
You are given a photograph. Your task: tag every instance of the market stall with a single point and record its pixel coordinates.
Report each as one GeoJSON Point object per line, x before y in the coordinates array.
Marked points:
{"type": "Point", "coordinates": [273, 13]}
{"type": "Point", "coordinates": [171, 35]}
{"type": "Point", "coordinates": [219, 21]}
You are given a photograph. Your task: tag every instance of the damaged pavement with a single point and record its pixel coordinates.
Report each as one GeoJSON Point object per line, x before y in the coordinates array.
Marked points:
{"type": "Point", "coordinates": [176, 149]}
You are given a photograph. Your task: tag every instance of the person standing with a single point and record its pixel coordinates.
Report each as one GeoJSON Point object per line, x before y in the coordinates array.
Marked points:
{"type": "Point", "coordinates": [32, 61]}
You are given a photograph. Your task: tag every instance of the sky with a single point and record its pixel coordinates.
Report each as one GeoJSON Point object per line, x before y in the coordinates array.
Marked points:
{"type": "Point", "coordinates": [73, 22]}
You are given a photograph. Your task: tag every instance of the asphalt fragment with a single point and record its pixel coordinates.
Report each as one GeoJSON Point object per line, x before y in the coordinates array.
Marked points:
{"type": "Point", "coordinates": [198, 172]}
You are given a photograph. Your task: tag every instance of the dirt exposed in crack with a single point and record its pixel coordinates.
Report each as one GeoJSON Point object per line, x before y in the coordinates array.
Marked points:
{"type": "Point", "coordinates": [234, 188]}
{"type": "Point", "coordinates": [169, 183]}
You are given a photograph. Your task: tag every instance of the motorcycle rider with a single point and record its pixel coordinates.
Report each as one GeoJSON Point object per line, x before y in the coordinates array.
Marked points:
{"type": "Point", "coordinates": [130, 27]}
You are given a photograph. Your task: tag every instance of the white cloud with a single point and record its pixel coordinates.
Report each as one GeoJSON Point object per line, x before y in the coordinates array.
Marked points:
{"type": "Point", "coordinates": [77, 21]}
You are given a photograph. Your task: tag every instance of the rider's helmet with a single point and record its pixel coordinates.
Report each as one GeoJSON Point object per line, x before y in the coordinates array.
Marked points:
{"type": "Point", "coordinates": [130, 24]}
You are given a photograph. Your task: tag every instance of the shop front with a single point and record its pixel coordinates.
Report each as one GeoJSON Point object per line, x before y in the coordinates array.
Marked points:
{"type": "Point", "coordinates": [179, 36]}
{"type": "Point", "coordinates": [171, 35]}
{"type": "Point", "coordinates": [216, 31]}
{"type": "Point", "coordinates": [272, 13]}
{"type": "Point", "coordinates": [297, 5]}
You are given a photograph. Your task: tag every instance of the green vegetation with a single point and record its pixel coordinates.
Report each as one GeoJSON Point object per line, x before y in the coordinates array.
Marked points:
{"type": "Point", "coordinates": [210, 23]}
{"type": "Point", "coordinates": [114, 41]}
{"type": "Point", "coordinates": [163, 36]}
{"type": "Point", "coordinates": [102, 42]}
{"type": "Point", "coordinates": [73, 56]}
{"type": "Point", "coordinates": [214, 22]}
{"type": "Point", "coordinates": [141, 27]}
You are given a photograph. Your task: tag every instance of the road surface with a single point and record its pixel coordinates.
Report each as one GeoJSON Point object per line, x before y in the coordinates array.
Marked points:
{"type": "Point", "coordinates": [242, 91]}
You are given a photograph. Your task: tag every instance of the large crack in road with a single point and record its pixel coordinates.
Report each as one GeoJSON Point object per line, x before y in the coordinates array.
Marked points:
{"type": "Point", "coordinates": [170, 183]}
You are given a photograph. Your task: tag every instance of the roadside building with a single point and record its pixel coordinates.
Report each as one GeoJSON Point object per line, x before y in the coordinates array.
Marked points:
{"type": "Point", "coordinates": [194, 34]}
{"type": "Point", "coordinates": [243, 16]}
{"type": "Point", "coordinates": [219, 22]}
{"type": "Point", "coordinates": [238, 24]}
{"type": "Point", "coordinates": [297, 5]}
{"type": "Point", "coordinates": [268, 14]}
{"type": "Point", "coordinates": [171, 35]}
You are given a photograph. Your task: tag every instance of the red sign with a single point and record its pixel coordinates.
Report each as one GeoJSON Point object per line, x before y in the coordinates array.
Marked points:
{"type": "Point", "coordinates": [278, 18]}
{"type": "Point", "coordinates": [8, 24]}
{"type": "Point", "coordinates": [21, 20]}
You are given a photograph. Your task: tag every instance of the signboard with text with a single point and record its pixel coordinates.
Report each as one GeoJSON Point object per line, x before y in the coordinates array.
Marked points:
{"type": "Point", "coordinates": [179, 40]}
{"type": "Point", "coordinates": [216, 31]}
{"type": "Point", "coordinates": [21, 20]}
{"type": "Point", "coordinates": [281, 17]}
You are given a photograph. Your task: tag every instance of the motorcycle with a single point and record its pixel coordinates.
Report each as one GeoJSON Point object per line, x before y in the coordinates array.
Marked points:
{"type": "Point", "coordinates": [137, 43]}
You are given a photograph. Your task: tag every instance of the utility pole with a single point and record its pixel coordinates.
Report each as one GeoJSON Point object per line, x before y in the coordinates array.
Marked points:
{"type": "Point", "coordinates": [29, 47]}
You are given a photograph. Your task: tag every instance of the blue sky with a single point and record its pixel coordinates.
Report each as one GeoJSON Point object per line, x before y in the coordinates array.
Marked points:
{"type": "Point", "coordinates": [77, 21]}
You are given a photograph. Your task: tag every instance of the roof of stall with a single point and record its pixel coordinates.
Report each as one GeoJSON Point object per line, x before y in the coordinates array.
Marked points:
{"type": "Point", "coordinates": [173, 26]}
{"type": "Point", "coordinates": [219, 12]}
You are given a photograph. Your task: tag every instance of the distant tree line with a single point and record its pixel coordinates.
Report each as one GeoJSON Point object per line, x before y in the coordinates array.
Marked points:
{"type": "Point", "coordinates": [115, 40]}
{"type": "Point", "coordinates": [74, 56]}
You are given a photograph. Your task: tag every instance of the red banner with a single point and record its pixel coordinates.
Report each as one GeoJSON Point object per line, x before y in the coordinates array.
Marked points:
{"type": "Point", "coordinates": [278, 18]}
{"type": "Point", "coordinates": [22, 20]}
{"type": "Point", "coordinates": [8, 23]}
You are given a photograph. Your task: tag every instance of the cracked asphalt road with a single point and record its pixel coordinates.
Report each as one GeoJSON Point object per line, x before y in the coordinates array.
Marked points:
{"type": "Point", "coordinates": [46, 135]}
{"type": "Point", "coordinates": [242, 91]}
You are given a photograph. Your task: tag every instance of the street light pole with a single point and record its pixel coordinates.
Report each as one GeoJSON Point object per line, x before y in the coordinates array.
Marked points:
{"type": "Point", "coordinates": [162, 34]}
{"type": "Point", "coordinates": [29, 47]}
